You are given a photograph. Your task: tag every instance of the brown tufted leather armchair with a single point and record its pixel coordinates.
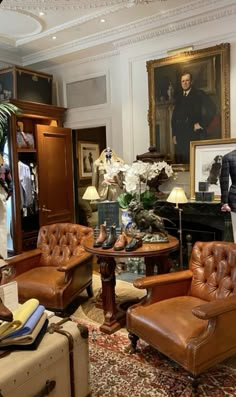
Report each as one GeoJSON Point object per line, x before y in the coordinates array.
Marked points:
{"type": "Point", "coordinates": [58, 270]}
{"type": "Point", "coordinates": [189, 315]}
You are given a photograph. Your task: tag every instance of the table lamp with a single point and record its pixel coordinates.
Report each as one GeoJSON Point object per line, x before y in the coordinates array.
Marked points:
{"type": "Point", "coordinates": [91, 194]}
{"type": "Point", "coordinates": [177, 196]}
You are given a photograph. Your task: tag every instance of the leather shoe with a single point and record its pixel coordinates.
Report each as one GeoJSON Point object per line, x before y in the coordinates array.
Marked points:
{"type": "Point", "coordinates": [101, 237]}
{"type": "Point", "coordinates": [121, 242]}
{"type": "Point", "coordinates": [111, 239]}
{"type": "Point", "coordinates": [134, 244]}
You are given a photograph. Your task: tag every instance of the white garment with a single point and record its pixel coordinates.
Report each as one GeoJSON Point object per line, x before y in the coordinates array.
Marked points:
{"type": "Point", "coordinates": [25, 184]}
{"type": "Point", "coordinates": [3, 223]}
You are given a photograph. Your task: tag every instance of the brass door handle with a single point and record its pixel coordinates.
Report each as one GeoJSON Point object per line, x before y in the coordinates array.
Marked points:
{"type": "Point", "coordinates": [44, 209]}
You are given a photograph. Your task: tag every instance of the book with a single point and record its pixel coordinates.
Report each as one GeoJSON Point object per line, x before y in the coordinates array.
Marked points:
{"type": "Point", "coordinates": [29, 325]}
{"type": "Point", "coordinates": [30, 341]}
{"type": "Point", "coordinates": [20, 316]}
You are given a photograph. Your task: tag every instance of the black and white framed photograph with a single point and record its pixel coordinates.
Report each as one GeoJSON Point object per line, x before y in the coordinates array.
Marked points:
{"type": "Point", "coordinates": [88, 152]}
{"type": "Point", "coordinates": [205, 163]}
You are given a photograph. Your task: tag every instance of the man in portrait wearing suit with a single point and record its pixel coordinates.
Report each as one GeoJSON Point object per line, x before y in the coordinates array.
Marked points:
{"type": "Point", "coordinates": [193, 112]}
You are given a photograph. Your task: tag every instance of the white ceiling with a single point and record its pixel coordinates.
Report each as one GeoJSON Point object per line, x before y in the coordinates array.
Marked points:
{"type": "Point", "coordinates": [26, 37]}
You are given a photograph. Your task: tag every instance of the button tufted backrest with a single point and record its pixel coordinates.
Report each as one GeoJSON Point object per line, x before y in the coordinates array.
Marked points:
{"type": "Point", "coordinates": [61, 241]}
{"type": "Point", "coordinates": [214, 270]}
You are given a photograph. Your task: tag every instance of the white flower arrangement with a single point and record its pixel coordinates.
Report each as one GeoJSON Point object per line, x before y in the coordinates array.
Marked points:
{"type": "Point", "coordinates": [141, 171]}
{"type": "Point", "coordinates": [136, 178]}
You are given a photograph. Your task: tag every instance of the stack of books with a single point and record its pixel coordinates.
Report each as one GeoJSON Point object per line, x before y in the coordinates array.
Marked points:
{"type": "Point", "coordinates": [25, 332]}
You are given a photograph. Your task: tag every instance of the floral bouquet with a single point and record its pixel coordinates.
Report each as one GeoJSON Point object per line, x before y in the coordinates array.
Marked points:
{"type": "Point", "coordinates": [137, 178]}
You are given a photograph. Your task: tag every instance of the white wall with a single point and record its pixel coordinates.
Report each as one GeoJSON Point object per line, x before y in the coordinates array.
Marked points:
{"type": "Point", "coordinates": [125, 116]}
{"type": "Point", "coordinates": [109, 114]}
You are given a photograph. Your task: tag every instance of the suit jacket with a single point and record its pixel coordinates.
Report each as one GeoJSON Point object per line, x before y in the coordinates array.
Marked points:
{"type": "Point", "coordinates": [197, 107]}
{"type": "Point", "coordinates": [228, 194]}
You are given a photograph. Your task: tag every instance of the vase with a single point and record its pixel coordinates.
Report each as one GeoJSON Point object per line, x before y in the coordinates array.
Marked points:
{"type": "Point", "coordinates": [126, 218]}
{"type": "Point", "coordinates": [156, 182]}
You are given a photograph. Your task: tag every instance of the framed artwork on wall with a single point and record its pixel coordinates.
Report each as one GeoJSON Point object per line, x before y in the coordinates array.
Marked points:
{"type": "Point", "coordinates": [207, 117]}
{"type": "Point", "coordinates": [87, 153]}
{"type": "Point", "coordinates": [205, 163]}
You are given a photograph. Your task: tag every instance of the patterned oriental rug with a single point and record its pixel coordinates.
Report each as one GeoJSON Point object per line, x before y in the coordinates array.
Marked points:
{"type": "Point", "coordinates": [116, 373]}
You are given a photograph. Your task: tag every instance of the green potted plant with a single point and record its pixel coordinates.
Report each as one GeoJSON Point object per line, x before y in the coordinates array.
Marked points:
{"type": "Point", "coordinates": [148, 198]}
{"type": "Point", "coordinates": [6, 110]}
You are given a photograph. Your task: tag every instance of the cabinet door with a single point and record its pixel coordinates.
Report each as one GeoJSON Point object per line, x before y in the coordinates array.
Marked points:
{"type": "Point", "coordinates": [55, 175]}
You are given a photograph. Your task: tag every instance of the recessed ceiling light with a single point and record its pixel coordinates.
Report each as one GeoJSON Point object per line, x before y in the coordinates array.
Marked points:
{"type": "Point", "coordinates": [54, 37]}
{"type": "Point", "coordinates": [102, 20]}
{"type": "Point", "coordinates": [41, 13]}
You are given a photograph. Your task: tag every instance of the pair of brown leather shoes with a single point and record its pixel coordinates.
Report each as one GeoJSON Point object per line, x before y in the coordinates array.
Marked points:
{"type": "Point", "coordinates": [121, 242]}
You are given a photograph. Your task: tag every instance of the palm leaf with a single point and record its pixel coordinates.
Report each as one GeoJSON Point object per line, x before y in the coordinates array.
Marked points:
{"type": "Point", "coordinates": [6, 110]}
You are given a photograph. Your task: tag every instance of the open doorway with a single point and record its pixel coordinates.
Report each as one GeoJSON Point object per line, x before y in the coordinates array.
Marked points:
{"type": "Point", "coordinates": [86, 141]}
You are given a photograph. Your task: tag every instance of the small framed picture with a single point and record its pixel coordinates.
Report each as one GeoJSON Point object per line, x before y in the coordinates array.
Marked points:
{"type": "Point", "coordinates": [88, 152]}
{"type": "Point", "coordinates": [205, 164]}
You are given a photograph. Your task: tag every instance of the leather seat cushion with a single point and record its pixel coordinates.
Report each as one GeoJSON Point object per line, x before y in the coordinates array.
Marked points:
{"type": "Point", "coordinates": [43, 283]}
{"type": "Point", "coordinates": [142, 321]}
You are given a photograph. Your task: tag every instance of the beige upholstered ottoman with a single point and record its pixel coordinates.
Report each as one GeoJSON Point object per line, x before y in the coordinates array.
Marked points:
{"type": "Point", "coordinates": [59, 367]}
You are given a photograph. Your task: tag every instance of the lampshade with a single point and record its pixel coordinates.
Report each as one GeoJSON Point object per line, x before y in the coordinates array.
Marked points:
{"type": "Point", "coordinates": [177, 196]}
{"type": "Point", "coordinates": [91, 194]}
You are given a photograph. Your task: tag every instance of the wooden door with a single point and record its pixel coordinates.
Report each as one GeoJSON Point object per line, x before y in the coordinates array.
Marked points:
{"type": "Point", "coordinates": [54, 147]}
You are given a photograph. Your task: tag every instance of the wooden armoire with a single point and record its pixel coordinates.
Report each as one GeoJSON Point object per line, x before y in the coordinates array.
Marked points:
{"type": "Point", "coordinates": [50, 156]}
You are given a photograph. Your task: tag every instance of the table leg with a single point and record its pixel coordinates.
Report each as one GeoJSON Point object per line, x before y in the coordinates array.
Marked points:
{"type": "Point", "coordinates": [163, 263]}
{"type": "Point", "coordinates": [113, 318]}
{"type": "Point", "coordinates": [150, 262]}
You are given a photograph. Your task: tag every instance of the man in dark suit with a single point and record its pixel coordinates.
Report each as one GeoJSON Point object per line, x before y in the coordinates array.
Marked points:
{"type": "Point", "coordinates": [228, 193]}
{"type": "Point", "coordinates": [193, 112]}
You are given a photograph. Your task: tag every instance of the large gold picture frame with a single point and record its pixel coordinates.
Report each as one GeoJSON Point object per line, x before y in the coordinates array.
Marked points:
{"type": "Point", "coordinates": [206, 156]}
{"type": "Point", "coordinates": [210, 70]}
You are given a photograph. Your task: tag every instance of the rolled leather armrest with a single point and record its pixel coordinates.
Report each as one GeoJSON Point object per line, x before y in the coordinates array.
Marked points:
{"type": "Point", "coordinates": [215, 308]}
{"type": "Point", "coordinates": [23, 257]}
{"type": "Point", "coordinates": [21, 263]}
{"type": "Point", "coordinates": [74, 262]}
{"type": "Point", "coordinates": [163, 279]}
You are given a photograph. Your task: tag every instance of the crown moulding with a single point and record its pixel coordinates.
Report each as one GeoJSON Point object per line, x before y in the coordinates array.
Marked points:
{"type": "Point", "coordinates": [157, 31]}
{"type": "Point", "coordinates": [70, 4]}
{"type": "Point", "coordinates": [198, 12]}
{"type": "Point", "coordinates": [135, 36]}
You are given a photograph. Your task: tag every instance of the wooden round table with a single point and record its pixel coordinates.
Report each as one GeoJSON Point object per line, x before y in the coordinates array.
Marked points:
{"type": "Point", "coordinates": [154, 254]}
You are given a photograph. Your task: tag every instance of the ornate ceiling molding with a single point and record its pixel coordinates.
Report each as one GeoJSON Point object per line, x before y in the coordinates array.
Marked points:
{"type": "Point", "coordinates": [129, 29]}
{"type": "Point", "coordinates": [69, 4]}
{"type": "Point", "coordinates": [156, 30]}
{"type": "Point", "coordinates": [193, 14]}
{"type": "Point", "coordinates": [71, 24]}
{"type": "Point", "coordinates": [119, 37]}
